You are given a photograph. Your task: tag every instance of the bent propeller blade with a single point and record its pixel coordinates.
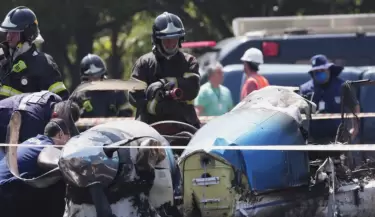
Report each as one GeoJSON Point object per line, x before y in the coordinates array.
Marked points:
{"type": "Point", "coordinates": [14, 132]}
{"type": "Point", "coordinates": [112, 84]}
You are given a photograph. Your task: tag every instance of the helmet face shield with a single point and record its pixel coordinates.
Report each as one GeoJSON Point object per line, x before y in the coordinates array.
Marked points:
{"type": "Point", "coordinates": [6, 30]}
{"type": "Point", "coordinates": [8, 26]}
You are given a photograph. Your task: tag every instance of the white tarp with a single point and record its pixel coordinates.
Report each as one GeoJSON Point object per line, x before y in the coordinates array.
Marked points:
{"type": "Point", "coordinates": [278, 98]}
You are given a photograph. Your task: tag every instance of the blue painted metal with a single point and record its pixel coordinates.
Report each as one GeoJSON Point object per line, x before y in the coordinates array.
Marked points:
{"type": "Point", "coordinates": [266, 170]}
{"type": "Point", "coordinates": [367, 103]}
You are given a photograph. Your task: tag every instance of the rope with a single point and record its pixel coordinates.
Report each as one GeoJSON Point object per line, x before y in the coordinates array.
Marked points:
{"type": "Point", "coordinates": [89, 122]}
{"type": "Point", "coordinates": [334, 147]}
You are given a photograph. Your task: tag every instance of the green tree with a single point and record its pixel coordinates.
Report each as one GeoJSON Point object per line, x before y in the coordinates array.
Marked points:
{"type": "Point", "coordinates": [119, 30]}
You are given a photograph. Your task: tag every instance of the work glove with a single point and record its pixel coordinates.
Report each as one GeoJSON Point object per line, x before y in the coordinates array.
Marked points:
{"type": "Point", "coordinates": [155, 97]}
{"type": "Point", "coordinates": [156, 90]}
{"type": "Point", "coordinates": [153, 90]}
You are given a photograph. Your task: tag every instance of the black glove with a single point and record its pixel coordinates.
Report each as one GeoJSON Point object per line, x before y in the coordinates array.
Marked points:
{"type": "Point", "coordinates": [154, 90]}
{"type": "Point", "coordinates": [169, 86]}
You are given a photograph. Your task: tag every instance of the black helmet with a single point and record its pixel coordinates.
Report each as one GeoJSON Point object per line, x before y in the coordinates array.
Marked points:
{"type": "Point", "coordinates": [22, 19]}
{"type": "Point", "coordinates": [167, 26]}
{"type": "Point", "coordinates": [93, 66]}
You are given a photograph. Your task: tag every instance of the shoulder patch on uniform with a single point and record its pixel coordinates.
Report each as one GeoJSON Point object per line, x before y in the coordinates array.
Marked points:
{"type": "Point", "coordinates": [19, 66]}
{"type": "Point", "coordinates": [34, 141]}
{"type": "Point", "coordinates": [87, 106]}
{"type": "Point", "coordinates": [338, 99]}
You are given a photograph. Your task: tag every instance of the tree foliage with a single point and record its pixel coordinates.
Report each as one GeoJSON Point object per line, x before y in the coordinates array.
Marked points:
{"type": "Point", "coordinates": [119, 31]}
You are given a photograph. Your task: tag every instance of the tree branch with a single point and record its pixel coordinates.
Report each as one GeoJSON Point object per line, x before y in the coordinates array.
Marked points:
{"type": "Point", "coordinates": [215, 17]}
{"type": "Point", "coordinates": [67, 61]}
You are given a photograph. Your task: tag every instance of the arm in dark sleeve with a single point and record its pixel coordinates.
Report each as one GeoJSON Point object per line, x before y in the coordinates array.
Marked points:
{"type": "Point", "coordinates": [305, 92]}
{"type": "Point", "coordinates": [51, 79]}
{"type": "Point", "coordinates": [350, 97]}
{"type": "Point", "coordinates": [139, 72]}
{"type": "Point", "coordinates": [190, 82]}
{"type": "Point", "coordinates": [122, 103]}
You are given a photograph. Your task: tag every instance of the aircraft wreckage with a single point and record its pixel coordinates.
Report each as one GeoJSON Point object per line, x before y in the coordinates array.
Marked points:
{"type": "Point", "coordinates": [269, 183]}
{"type": "Point", "coordinates": [215, 182]}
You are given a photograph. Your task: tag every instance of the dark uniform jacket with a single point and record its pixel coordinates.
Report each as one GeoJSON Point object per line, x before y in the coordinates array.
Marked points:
{"type": "Point", "coordinates": [19, 199]}
{"type": "Point", "coordinates": [31, 71]}
{"type": "Point", "coordinates": [182, 69]}
{"type": "Point", "coordinates": [36, 111]}
{"type": "Point", "coordinates": [328, 100]}
{"type": "Point", "coordinates": [103, 104]}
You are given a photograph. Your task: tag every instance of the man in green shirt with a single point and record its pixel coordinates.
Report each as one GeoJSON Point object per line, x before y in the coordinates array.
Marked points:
{"type": "Point", "coordinates": [213, 99]}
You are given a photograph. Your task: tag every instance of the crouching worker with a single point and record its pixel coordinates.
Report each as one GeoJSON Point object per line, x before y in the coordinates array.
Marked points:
{"type": "Point", "coordinates": [20, 199]}
{"type": "Point", "coordinates": [36, 110]}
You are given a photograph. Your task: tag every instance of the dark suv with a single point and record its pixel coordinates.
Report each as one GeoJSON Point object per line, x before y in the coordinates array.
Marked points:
{"type": "Point", "coordinates": [355, 49]}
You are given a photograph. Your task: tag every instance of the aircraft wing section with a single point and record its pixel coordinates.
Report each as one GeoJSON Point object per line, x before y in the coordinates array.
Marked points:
{"type": "Point", "coordinates": [280, 99]}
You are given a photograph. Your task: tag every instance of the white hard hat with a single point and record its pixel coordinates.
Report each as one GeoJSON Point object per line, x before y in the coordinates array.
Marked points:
{"type": "Point", "coordinates": [253, 55]}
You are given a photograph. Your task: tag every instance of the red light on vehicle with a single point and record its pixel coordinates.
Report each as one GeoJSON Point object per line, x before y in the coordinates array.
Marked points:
{"type": "Point", "coordinates": [270, 49]}
{"type": "Point", "coordinates": [198, 44]}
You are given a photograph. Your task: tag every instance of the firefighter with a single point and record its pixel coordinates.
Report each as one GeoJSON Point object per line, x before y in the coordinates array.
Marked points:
{"type": "Point", "coordinates": [23, 68]}
{"type": "Point", "coordinates": [100, 103]}
{"type": "Point", "coordinates": [18, 198]}
{"type": "Point", "coordinates": [36, 110]}
{"type": "Point", "coordinates": [172, 76]}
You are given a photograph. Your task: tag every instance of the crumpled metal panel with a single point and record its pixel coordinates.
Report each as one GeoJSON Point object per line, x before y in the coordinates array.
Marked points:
{"type": "Point", "coordinates": [303, 203]}
{"type": "Point", "coordinates": [83, 166]}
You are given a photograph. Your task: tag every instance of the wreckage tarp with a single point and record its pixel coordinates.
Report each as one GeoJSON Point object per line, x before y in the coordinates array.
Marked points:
{"type": "Point", "coordinates": [270, 116]}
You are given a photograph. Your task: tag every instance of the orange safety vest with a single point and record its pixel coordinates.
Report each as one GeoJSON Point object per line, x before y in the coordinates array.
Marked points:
{"type": "Point", "coordinates": [261, 81]}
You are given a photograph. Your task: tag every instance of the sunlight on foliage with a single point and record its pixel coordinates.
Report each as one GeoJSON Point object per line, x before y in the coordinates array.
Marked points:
{"type": "Point", "coordinates": [72, 48]}
{"type": "Point", "coordinates": [102, 47]}
{"type": "Point", "coordinates": [191, 9]}
{"type": "Point", "coordinates": [135, 43]}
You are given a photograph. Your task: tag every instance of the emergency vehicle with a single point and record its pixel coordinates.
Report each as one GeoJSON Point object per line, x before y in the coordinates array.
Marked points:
{"type": "Point", "coordinates": [345, 39]}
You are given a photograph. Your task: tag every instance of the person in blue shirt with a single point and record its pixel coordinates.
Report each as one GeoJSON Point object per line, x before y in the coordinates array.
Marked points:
{"type": "Point", "coordinates": [20, 199]}
{"type": "Point", "coordinates": [36, 110]}
{"type": "Point", "coordinates": [213, 98]}
{"type": "Point", "coordinates": [324, 89]}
